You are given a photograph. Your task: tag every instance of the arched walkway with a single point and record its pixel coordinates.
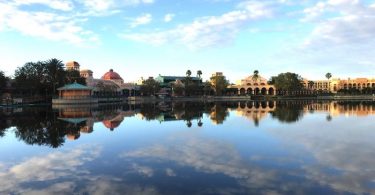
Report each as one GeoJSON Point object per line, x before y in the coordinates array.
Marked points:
{"type": "Point", "coordinates": [271, 91]}
{"type": "Point", "coordinates": [249, 105]}
{"type": "Point", "coordinates": [257, 91]}
{"type": "Point", "coordinates": [264, 91]}
{"type": "Point", "coordinates": [250, 91]}
{"type": "Point", "coordinates": [242, 91]}
{"type": "Point", "coordinates": [242, 105]}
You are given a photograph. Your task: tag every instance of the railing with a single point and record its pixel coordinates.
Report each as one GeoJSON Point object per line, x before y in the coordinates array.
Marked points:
{"type": "Point", "coordinates": [74, 97]}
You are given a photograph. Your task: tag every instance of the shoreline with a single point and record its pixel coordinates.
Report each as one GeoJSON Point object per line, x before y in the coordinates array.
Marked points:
{"type": "Point", "coordinates": [137, 100]}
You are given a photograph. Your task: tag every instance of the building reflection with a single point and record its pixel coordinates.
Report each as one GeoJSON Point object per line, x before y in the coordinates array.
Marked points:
{"type": "Point", "coordinates": [347, 108]}
{"type": "Point", "coordinates": [47, 127]}
{"type": "Point", "coordinates": [254, 110]}
{"type": "Point", "coordinates": [84, 118]}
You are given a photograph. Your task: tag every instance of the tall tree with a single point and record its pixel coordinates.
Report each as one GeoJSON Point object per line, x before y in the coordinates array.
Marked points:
{"type": "Point", "coordinates": [188, 73]}
{"type": "Point", "coordinates": [199, 73]}
{"type": "Point", "coordinates": [3, 81]}
{"type": "Point", "coordinates": [310, 84]}
{"type": "Point", "coordinates": [178, 88]}
{"type": "Point", "coordinates": [288, 82]}
{"type": "Point", "coordinates": [54, 74]}
{"type": "Point", "coordinates": [150, 87]}
{"type": "Point", "coordinates": [29, 78]}
{"type": "Point", "coordinates": [189, 85]}
{"type": "Point", "coordinates": [328, 76]}
{"type": "Point", "coordinates": [207, 88]}
{"type": "Point", "coordinates": [42, 77]}
{"type": "Point", "coordinates": [219, 83]}
{"type": "Point", "coordinates": [72, 76]}
{"type": "Point", "coordinates": [256, 75]}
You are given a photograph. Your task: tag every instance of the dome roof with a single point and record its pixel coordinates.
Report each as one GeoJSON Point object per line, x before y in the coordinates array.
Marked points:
{"type": "Point", "coordinates": [111, 124]}
{"type": "Point", "coordinates": [111, 75]}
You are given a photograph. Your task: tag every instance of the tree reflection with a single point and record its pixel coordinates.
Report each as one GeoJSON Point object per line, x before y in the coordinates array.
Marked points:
{"type": "Point", "coordinates": [43, 126]}
{"type": "Point", "coordinates": [39, 127]}
{"type": "Point", "coordinates": [3, 124]}
{"type": "Point", "coordinates": [219, 113]}
{"type": "Point", "coordinates": [288, 112]}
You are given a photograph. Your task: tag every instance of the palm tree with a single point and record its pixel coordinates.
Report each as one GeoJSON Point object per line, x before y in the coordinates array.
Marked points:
{"type": "Point", "coordinates": [200, 123]}
{"type": "Point", "coordinates": [199, 73]}
{"type": "Point", "coordinates": [188, 73]}
{"type": "Point", "coordinates": [328, 76]}
{"type": "Point", "coordinates": [256, 75]}
{"type": "Point", "coordinates": [189, 123]}
{"type": "Point", "coordinates": [311, 84]}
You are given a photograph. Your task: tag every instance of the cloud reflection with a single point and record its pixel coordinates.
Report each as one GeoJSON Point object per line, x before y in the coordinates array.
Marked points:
{"type": "Point", "coordinates": [65, 172]}
{"type": "Point", "coordinates": [208, 156]}
{"type": "Point", "coordinates": [50, 167]}
{"type": "Point", "coordinates": [344, 153]}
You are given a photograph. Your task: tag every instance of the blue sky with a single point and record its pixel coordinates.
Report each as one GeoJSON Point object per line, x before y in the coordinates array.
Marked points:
{"type": "Point", "coordinates": [141, 38]}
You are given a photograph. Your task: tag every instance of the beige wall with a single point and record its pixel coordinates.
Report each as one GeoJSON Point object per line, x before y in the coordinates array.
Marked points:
{"type": "Point", "coordinates": [250, 85]}
{"type": "Point", "coordinates": [334, 85]}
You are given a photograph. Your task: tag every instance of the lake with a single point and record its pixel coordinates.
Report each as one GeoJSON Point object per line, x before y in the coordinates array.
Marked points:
{"type": "Point", "coordinates": [265, 147]}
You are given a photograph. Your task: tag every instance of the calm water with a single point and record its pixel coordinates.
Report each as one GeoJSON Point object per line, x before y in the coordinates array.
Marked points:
{"type": "Point", "coordinates": [190, 148]}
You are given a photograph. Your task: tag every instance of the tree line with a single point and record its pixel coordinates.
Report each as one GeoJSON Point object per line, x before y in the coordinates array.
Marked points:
{"type": "Point", "coordinates": [40, 78]}
{"type": "Point", "coordinates": [217, 85]}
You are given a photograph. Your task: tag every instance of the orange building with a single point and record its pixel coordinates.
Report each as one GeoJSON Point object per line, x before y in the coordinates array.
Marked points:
{"type": "Point", "coordinates": [334, 85]}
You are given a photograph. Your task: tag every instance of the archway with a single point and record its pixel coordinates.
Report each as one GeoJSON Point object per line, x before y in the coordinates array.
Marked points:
{"type": "Point", "coordinates": [271, 91]}
{"type": "Point", "coordinates": [242, 105]}
{"type": "Point", "coordinates": [242, 91]}
{"type": "Point", "coordinates": [257, 91]}
{"type": "Point", "coordinates": [249, 105]}
{"type": "Point", "coordinates": [271, 104]}
{"type": "Point", "coordinates": [256, 105]}
{"type": "Point", "coordinates": [250, 91]}
{"type": "Point", "coordinates": [264, 91]}
{"type": "Point", "coordinates": [263, 104]}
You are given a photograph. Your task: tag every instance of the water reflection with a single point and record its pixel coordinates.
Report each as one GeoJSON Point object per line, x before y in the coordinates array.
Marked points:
{"type": "Point", "coordinates": [294, 147]}
{"type": "Point", "coordinates": [44, 126]}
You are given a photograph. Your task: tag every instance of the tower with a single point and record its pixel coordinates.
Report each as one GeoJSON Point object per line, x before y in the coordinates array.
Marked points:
{"type": "Point", "coordinates": [72, 65]}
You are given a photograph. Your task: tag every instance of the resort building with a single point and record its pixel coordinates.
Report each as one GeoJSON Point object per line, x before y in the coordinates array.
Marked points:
{"type": "Point", "coordinates": [72, 65]}
{"type": "Point", "coordinates": [254, 85]}
{"type": "Point", "coordinates": [336, 84]}
{"type": "Point", "coordinates": [167, 81]}
{"type": "Point", "coordinates": [111, 83]}
{"type": "Point", "coordinates": [74, 93]}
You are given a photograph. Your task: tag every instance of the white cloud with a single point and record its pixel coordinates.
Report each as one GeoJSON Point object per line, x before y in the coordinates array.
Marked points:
{"type": "Point", "coordinates": [46, 25]}
{"type": "Point", "coordinates": [339, 27]}
{"type": "Point", "coordinates": [141, 20]}
{"type": "Point", "coordinates": [207, 31]}
{"type": "Point", "coordinates": [98, 5]}
{"type": "Point", "coordinates": [168, 17]}
{"type": "Point", "coordinates": [351, 23]}
{"type": "Point", "coordinates": [106, 5]}
{"type": "Point", "coordinates": [64, 5]}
